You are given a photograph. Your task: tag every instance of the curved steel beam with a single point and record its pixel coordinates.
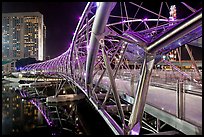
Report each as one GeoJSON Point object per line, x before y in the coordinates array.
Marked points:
{"type": "Point", "coordinates": [87, 8]}
{"type": "Point", "coordinates": [189, 24]}
{"type": "Point", "coordinates": [100, 21]}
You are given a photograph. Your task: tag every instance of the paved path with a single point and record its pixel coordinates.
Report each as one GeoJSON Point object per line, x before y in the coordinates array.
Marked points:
{"type": "Point", "coordinates": [165, 99]}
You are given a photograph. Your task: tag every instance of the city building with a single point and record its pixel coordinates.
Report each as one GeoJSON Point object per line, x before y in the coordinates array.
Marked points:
{"type": "Point", "coordinates": [8, 66]}
{"type": "Point", "coordinates": [23, 35]}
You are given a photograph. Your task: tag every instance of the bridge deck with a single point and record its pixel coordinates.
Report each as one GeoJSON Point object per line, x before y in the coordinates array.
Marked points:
{"type": "Point", "coordinates": [164, 101]}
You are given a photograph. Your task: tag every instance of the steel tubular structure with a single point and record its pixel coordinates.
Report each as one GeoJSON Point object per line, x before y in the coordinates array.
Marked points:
{"type": "Point", "coordinates": [109, 44]}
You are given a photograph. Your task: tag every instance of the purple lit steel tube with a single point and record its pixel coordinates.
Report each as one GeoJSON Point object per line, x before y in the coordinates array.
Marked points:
{"type": "Point", "coordinates": [98, 28]}
{"type": "Point", "coordinates": [180, 30]}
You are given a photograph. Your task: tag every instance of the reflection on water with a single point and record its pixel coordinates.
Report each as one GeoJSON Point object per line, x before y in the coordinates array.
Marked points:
{"type": "Point", "coordinates": [29, 117]}
{"type": "Point", "coordinates": [18, 116]}
{"type": "Point", "coordinates": [33, 116]}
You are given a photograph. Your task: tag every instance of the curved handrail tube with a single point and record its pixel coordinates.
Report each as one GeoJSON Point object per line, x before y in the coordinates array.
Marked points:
{"type": "Point", "coordinates": [183, 28]}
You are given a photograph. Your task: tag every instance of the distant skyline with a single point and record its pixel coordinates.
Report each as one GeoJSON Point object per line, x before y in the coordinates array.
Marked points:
{"type": "Point", "coordinates": [60, 18]}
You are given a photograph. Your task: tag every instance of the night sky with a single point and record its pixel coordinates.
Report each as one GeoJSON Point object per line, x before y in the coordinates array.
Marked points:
{"type": "Point", "coordinates": [61, 19]}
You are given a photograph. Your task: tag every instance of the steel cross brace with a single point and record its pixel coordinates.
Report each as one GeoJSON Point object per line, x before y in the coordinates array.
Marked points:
{"type": "Point", "coordinates": [113, 84]}
{"type": "Point", "coordinates": [135, 120]}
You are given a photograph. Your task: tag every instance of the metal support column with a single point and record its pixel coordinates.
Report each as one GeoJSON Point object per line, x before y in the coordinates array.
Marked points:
{"type": "Point", "coordinates": [180, 100]}
{"type": "Point", "coordinates": [132, 79]}
{"type": "Point", "coordinates": [158, 125]}
{"type": "Point", "coordinates": [135, 120]}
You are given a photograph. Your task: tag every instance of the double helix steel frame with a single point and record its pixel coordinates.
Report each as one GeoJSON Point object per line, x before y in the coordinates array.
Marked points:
{"type": "Point", "coordinates": [100, 48]}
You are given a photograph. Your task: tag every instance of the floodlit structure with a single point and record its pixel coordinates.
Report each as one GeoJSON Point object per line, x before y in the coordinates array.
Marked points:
{"type": "Point", "coordinates": [115, 43]}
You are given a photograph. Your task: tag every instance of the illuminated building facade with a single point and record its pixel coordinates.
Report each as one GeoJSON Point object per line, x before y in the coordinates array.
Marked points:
{"type": "Point", "coordinates": [23, 35]}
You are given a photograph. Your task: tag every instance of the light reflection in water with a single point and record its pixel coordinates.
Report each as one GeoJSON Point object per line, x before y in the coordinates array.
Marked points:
{"type": "Point", "coordinates": [42, 112]}
{"type": "Point", "coordinates": [39, 107]}
{"type": "Point", "coordinates": [18, 116]}
{"type": "Point", "coordinates": [68, 123]}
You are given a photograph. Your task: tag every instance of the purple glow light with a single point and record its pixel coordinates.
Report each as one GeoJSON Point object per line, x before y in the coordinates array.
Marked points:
{"type": "Point", "coordinates": [23, 94]}
{"type": "Point", "coordinates": [136, 129]}
{"type": "Point", "coordinates": [79, 18]}
{"type": "Point", "coordinates": [171, 18]}
{"type": "Point", "coordinates": [145, 19]}
{"type": "Point", "coordinates": [44, 115]}
{"type": "Point", "coordinates": [87, 48]}
{"type": "Point", "coordinates": [180, 43]}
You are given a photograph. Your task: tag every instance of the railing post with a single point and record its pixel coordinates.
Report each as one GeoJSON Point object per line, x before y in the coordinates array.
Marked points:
{"type": "Point", "coordinates": [132, 85]}
{"type": "Point", "coordinates": [180, 100]}
{"type": "Point", "coordinates": [165, 81]}
{"type": "Point", "coordinates": [158, 125]}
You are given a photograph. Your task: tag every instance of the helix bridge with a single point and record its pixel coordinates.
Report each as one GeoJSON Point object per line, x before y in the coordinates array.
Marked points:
{"type": "Point", "coordinates": [112, 56]}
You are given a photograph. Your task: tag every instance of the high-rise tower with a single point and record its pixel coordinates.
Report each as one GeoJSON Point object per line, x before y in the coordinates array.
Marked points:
{"type": "Point", "coordinates": [23, 35]}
